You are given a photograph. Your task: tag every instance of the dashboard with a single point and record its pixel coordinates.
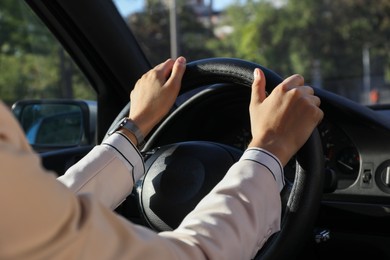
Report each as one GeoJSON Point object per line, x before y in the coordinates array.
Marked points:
{"type": "Point", "coordinates": [355, 203]}
{"type": "Point", "coordinates": [355, 139]}
{"type": "Point", "coordinates": [342, 158]}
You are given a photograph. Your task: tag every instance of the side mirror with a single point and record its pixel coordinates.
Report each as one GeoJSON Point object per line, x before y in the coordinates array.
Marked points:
{"type": "Point", "coordinates": [56, 124]}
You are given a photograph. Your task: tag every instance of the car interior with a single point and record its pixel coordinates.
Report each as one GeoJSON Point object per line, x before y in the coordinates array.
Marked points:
{"type": "Point", "coordinates": [336, 203]}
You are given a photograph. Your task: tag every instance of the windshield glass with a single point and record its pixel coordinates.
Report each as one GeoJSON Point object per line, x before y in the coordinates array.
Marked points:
{"type": "Point", "coordinates": [339, 45]}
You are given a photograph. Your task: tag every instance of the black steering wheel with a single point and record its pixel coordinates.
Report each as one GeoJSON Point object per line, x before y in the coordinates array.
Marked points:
{"type": "Point", "coordinates": [179, 175]}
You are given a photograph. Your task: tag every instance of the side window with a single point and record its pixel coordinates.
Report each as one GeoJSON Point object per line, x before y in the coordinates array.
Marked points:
{"type": "Point", "coordinates": [35, 68]}
{"type": "Point", "coordinates": [33, 65]}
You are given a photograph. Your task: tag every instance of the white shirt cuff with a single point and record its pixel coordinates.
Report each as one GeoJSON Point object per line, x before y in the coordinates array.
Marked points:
{"type": "Point", "coordinates": [128, 153]}
{"type": "Point", "coordinates": [268, 160]}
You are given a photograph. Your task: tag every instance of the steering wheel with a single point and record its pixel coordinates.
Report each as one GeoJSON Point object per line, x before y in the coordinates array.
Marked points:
{"type": "Point", "coordinates": [179, 175]}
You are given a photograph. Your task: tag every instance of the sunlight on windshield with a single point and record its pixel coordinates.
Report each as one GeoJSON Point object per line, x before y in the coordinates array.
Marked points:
{"type": "Point", "coordinates": [339, 45]}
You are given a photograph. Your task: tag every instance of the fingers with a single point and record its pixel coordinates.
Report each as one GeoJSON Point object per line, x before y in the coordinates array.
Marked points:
{"type": "Point", "coordinates": [259, 82]}
{"type": "Point", "coordinates": [170, 72]}
{"type": "Point", "coordinates": [312, 102]}
{"type": "Point", "coordinates": [179, 67]}
{"type": "Point", "coordinates": [296, 83]}
{"type": "Point", "coordinates": [292, 82]}
{"type": "Point", "coordinates": [258, 86]}
{"type": "Point", "coordinates": [316, 100]}
{"type": "Point", "coordinates": [318, 113]}
{"type": "Point", "coordinates": [165, 68]}
{"type": "Point", "coordinates": [294, 87]}
{"type": "Point", "coordinates": [155, 93]}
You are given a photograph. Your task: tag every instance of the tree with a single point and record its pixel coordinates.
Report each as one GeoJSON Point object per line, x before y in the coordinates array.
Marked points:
{"type": "Point", "coordinates": [32, 63]}
{"type": "Point", "coordinates": [303, 36]}
{"type": "Point", "coordinates": [151, 27]}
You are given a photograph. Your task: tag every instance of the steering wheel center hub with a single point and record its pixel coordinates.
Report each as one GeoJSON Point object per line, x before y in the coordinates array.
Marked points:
{"type": "Point", "coordinates": [178, 176]}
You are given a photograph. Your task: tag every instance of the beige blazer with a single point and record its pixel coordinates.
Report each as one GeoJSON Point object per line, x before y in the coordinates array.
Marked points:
{"type": "Point", "coordinates": [43, 218]}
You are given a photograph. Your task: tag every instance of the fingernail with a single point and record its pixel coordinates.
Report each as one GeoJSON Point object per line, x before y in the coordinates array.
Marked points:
{"type": "Point", "coordinates": [181, 60]}
{"type": "Point", "coordinates": [256, 73]}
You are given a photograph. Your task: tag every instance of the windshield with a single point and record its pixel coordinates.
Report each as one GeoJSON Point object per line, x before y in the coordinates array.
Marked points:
{"type": "Point", "coordinates": [339, 45]}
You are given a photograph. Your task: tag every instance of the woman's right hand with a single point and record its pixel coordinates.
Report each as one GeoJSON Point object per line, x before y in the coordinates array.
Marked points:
{"type": "Point", "coordinates": [282, 122]}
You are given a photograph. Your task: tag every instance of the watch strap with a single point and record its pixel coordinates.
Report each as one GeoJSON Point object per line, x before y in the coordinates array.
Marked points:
{"type": "Point", "coordinates": [129, 124]}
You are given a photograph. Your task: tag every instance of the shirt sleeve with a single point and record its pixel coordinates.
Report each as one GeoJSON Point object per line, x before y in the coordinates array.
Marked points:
{"type": "Point", "coordinates": [268, 160]}
{"type": "Point", "coordinates": [240, 213]}
{"type": "Point", "coordinates": [108, 171]}
{"type": "Point", "coordinates": [43, 219]}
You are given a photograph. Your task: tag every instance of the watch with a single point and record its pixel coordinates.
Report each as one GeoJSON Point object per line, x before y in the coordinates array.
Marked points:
{"type": "Point", "coordinates": [129, 124]}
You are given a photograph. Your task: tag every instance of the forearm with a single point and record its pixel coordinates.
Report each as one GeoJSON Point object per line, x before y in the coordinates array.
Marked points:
{"type": "Point", "coordinates": [237, 217]}
{"type": "Point", "coordinates": [108, 171]}
{"type": "Point", "coordinates": [232, 222]}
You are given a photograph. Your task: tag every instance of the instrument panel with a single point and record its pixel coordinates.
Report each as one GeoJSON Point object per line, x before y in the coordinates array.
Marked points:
{"type": "Point", "coordinates": [342, 158]}
{"type": "Point", "coordinates": [341, 155]}
{"type": "Point", "coordinates": [350, 145]}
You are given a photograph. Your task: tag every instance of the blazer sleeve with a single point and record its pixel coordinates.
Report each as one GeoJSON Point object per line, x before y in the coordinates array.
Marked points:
{"type": "Point", "coordinates": [43, 219]}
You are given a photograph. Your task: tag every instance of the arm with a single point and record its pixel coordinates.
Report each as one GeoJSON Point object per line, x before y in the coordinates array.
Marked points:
{"type": "Point", "coordinates": [232, 222]}
{"type": "Point", "coordinates": [223, 208]}
{"type": "Point", "coordinates": [236, 218]}
{"type": "Point", "coordinates": [244, 209]}
{"type": "Point", "coordinates": [42, 219]}
{"type": "Point", "coordinates": [110, 169]}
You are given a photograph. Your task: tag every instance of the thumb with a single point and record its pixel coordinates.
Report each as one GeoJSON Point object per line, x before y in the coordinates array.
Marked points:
{"type": "Point", "coordinates": [258, 86]}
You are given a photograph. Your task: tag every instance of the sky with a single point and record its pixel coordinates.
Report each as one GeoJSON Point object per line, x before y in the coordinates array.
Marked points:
{"type": "Point", "coordinates": [127, 6]}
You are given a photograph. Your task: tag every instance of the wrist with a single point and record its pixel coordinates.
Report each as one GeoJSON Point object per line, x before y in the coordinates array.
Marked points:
{"type": "Point", "coordinates": [129, 136]}
{"type": "Point", "coordinates": [130, 129]}
{"type": "Point", "coordinates": [277, 149]}
{"type": "Point", "coordinates": [267, 159]}
{"type": "Point", "coordinates": [144, 121]}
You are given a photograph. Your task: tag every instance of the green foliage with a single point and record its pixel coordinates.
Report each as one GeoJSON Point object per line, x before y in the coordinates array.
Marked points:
{"type": "Point", "coordinates": [151, 27]}
{"type": "Point", "coordinates": [32, 63]}
{"type": "Point", "coordinates": [21, 76]}
{"type": "Point", "coordinates": [295, 36]}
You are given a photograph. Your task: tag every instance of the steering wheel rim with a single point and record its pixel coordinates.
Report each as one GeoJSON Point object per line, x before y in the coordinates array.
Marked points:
{"type": "Point", "coordinates": [304, 196]}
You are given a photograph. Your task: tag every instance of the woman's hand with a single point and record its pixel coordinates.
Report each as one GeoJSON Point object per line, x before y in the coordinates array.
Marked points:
{"type": "Point", "coordinates": [282, 122]}
{"type": "Point", "coordinates": [155, 93]}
